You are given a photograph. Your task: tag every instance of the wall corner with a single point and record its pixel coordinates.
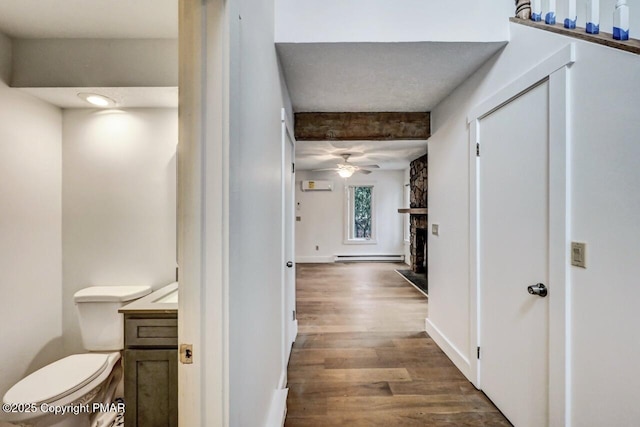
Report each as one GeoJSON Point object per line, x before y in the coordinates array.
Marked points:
{"type": "Point", "coordinates": [6, 58]}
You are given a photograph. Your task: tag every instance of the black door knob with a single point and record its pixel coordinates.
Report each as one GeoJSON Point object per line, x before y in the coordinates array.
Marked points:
{"type": "Point", "coordinates": [538, 289]}
{"type": "Point", "coordinates": [289, 264]}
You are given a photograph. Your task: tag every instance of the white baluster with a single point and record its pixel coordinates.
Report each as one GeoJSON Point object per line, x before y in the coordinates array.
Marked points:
{"type": "Point", "coordinates": [571, 14]}
{"type": "Point", "coordinates": [550, 17]}
{"type": "Point", "coordinates": [593, 16]}
{"type": "Point", "coordinates": [536, 10]}
{"type": "Point", "coordinates": [621, 21]}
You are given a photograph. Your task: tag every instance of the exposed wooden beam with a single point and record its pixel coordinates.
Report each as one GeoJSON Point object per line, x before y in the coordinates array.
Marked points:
{"type": "Point", "coordinates": [362, 126]}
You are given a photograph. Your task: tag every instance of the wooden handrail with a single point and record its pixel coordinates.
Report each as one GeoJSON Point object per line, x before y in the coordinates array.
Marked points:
{"type": "Point", "coordinates": [605, 39]}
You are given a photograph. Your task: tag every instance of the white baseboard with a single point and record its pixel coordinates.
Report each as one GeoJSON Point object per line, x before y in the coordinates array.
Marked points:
{"type": "Point", "coordinates": [282, 382]}
{"type": "Point", "coordinates": [278, 409]}
{"type": "Point", "coordinates": [314, 259]}
{"type": "Point", "coordinates": [369, 257]}
{"type": "Point", "coordinates": [294, 328]}
{"type": "Point", "coordinates": [349, 258]}
{"type": "Point", "coordinates": [452, 352]}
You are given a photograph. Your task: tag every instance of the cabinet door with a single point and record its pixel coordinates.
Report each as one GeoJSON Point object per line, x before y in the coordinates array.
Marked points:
{"type": "Point", "coordinates": [151, 388]}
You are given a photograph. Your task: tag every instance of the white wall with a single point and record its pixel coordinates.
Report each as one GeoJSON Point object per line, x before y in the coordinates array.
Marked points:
{"type": "Point", "coordinates": [415, 20]}
{"type": "Point", "coordinates": [255, 233]}
{"type": "Point", "coordinates": [605, 205]}
{"type": "Point", "coordinates": [385, 21]}
{"type": "Point", "coordinates": [30, 230]}
{"type": "Point", "coordinates": [119, 202]}
{"type": "Point", "coordinates": [605, 177]}
{"type": "Point", "coordinates": [322, 216]}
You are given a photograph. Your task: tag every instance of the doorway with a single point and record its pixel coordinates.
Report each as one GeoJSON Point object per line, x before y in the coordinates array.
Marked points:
{"type": "Point", "coordinates": [290, 323]}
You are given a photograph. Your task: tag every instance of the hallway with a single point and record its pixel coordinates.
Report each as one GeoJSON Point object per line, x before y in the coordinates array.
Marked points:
{"type": "Point", "coordinates": [362, 357]}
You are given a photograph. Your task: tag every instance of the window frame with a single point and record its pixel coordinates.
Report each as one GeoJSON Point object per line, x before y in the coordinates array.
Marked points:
{"type": "Point", "coordinates": [349, 199]}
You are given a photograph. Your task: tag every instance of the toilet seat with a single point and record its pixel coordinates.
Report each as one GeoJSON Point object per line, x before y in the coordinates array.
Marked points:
{"type": "Point", "coordinates": [57, 380]}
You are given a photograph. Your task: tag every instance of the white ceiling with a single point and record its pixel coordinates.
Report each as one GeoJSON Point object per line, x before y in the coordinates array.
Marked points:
{"type": "Point", "coordinates": [386, 154]}
{"type": "Point", "coordinates": [125, 97]}
{"type": "Point", "coordinates": [95, 19]}
{"type": "Point", "coordinates": [89, 18]}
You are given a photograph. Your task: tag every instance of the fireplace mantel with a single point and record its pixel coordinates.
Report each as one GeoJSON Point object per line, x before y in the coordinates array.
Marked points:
{"type": "Point", "coordinates": [414, 211]}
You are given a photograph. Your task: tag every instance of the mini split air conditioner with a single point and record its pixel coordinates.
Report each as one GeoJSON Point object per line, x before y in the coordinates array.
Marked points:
{"type": "Point", "coordinates": [317, 185]}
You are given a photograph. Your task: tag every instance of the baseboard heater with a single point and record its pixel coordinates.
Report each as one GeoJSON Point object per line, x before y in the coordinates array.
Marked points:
{"type": "Point", "coordinates": [360, 258]}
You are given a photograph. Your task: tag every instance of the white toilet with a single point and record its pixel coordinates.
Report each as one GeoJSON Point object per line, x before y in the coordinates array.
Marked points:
{"type": "Point", "coordinates": [75, 383]}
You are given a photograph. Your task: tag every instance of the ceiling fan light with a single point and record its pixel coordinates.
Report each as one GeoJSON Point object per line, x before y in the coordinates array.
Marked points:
{"type": "Point", "coordinates": [345, 173]}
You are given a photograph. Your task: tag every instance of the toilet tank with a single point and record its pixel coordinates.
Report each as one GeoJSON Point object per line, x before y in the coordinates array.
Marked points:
{"type": "Point", "coordinates": [101, 326]}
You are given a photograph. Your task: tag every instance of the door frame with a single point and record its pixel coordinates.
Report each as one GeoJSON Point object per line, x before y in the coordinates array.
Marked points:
{"type": "Point", "coordinates": [203, 210]}
{"type": "Point", "coordinates": [288, 323]}
{"type": "Point", "coordinates": [556, 69]}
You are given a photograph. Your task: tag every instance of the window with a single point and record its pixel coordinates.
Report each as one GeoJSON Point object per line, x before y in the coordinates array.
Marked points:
{"type": "Point", "coordinates": [360, 214]}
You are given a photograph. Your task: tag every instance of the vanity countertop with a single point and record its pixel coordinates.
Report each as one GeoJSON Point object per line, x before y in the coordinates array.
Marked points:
{"type": "Point", "coordinates": [164, 300]}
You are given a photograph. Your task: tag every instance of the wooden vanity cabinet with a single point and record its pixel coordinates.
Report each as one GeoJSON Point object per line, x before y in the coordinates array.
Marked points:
{"type": "Point", "coordinates": [151, 369]}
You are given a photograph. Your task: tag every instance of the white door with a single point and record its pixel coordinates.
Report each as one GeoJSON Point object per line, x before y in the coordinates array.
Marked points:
{"type": "Point", "coordinates": [513, 249]}
{"type": "Point", "coordinates": [290, 322]}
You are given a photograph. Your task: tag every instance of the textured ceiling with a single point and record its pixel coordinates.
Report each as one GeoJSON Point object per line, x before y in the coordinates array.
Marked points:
{"type": "Point", "coordinates": [378, 76]}
{"type": "Point", "coordinates": [89, 18]}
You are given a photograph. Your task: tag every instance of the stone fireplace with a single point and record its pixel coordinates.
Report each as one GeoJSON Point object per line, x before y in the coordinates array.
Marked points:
{"type": "Point", "coordinates": [418, 243]}
{"type": "Point", "coordinates": [418, 219]}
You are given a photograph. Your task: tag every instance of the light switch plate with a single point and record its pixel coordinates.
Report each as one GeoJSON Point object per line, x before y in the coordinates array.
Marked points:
{"type": "Point", "coordinates": [186, 354]}
{"type": "Point", "coordinates": [578, 254]}
{"type": "Point", "coordinates": [435, 229]}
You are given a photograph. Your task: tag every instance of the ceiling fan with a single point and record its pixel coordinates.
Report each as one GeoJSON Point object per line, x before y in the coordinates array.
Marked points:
{"type": "Point", "coordinates": [346, 169]}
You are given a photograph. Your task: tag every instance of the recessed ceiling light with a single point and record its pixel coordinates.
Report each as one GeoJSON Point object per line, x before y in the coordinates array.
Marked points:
{"type": "Point", "coordinates": [97, 100]}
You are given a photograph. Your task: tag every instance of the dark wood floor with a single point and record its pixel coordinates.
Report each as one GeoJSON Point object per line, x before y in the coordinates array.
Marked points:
{"type": "Point", "coordinates": [362, 357]}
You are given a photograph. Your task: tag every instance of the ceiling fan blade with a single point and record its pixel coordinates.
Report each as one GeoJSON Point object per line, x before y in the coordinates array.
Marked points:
{"type": "Point", "coordinates": [369, 166]}
{"type": "Point", "coordinates": [325, 169]}
{"type": "Point", "coordinates": [364, 171]}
